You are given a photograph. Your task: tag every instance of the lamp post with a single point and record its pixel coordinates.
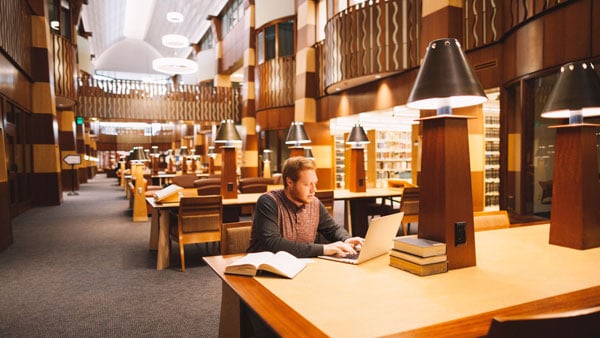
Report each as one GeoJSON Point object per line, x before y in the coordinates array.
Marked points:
{"type": "Point", "coordinates": [575, 215]}
{"type": "Point", "coordinates": [296, 137]}
{"type": "Point", "coordinates": [267, 163]}
{"type": "Point", "coordinates": [138, 157]}
{"type": "Point", "coordinates": [357, 139]}
{"type": "Point", "coordinates": [154, 154]}
{"type": "Point", "coordinates": [445, 81]}
{"type": "Point", "coordinates": [183, 151]}
{"type": "Point", "coordinates": [228, 136]}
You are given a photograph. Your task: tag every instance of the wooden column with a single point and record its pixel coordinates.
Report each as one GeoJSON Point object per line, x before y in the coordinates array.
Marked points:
{"type": "Point", "coordinates": [575, 220]}
{"type": "Point", "coordinates": [140, 211]}
{"type": "Point", "coordinates": [446, 199]}
{"type": "Point", "coordinates": [228, 173]}
{"type": "Point", "coordinates": [296, 151]}
{"type": "Point", "coordinates": [357, 177]}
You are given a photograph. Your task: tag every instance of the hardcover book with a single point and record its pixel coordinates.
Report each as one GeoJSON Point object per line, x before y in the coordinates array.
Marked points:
{"type": "Point", "coordinates": [418, 269]}
{"type": "Point", "coordinates": [419, 246]}
{"type": "Point", "coordinates": [281, 263]}
{"type": "Point", "coordinates": [418, 259]}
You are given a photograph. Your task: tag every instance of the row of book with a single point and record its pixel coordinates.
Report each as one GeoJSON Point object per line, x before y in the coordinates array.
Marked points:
{"type": "Point", "coordinates": [420, 256]}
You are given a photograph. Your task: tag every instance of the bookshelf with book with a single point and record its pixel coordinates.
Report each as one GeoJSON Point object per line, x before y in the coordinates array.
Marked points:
{"type": "Point", "coordinates": [419, 256]}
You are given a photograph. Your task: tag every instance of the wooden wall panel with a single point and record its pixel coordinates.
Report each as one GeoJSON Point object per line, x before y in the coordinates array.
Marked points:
{"type": "Point", "coordinates": [567, 34]}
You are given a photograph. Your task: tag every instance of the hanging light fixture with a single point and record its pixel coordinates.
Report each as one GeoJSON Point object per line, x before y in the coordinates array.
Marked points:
{"type": "Point", "coordinates": [175, 41]}
{"type": "Point", "coordinates": [174, 17]}
{"type": "Point", "coordinates": [174, 65]}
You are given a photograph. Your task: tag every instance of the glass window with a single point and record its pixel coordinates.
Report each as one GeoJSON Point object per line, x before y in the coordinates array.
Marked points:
{"type": "Point", "coordinates": [286, 38]}
{"type": "Point", "coordinates": [260, 44]}
{"type": "Point", "coordinates": [269, 43]}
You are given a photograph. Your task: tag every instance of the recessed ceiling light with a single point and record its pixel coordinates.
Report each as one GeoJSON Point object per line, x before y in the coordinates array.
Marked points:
{"type": "Point", "coordinates": [175, 17]}
{"type": "Point", "coordinates": [175, 41]}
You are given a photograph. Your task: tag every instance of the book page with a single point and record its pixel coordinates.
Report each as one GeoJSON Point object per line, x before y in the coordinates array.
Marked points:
{"type": "Point", "coordinates": [284, 264]}
{"type": "Point", "coordinates": [248, 264]}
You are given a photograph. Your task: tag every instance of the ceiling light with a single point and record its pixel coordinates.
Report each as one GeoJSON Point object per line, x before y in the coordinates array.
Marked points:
{"type": "Point", "coordinates": [172, 65]}
{"type": "Point", "coordinates": [175, 17]}
{"type": "Point", "coordinates": [175, 41]}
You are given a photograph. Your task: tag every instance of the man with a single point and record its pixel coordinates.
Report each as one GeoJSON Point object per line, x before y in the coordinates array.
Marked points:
{"type": "Point", "coordinates": [289, 219]}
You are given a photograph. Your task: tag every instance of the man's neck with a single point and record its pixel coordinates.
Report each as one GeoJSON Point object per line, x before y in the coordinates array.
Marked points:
{"type": "Point", "coordinates": [291, 198]}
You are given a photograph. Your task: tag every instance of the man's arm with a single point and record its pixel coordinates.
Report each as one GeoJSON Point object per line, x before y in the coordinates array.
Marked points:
{"type": "Point", "coordinates": [267, 236]}
{"type": "Point", "coordinates": [329, 228]}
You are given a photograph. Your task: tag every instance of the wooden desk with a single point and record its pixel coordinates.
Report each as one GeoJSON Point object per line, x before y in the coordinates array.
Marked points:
{"type": "Point", "coordinates": [356, 218]}
{"type": "Point", "coordinates": [159, 223]}
{"type": "Point", "coordinates": [517, 273]}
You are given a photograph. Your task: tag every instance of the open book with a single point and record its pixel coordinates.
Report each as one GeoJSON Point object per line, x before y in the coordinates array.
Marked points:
{"type": "Point", "coordinates": [168, 194]}
{"type": "Point", "coordinates": [281, 263]}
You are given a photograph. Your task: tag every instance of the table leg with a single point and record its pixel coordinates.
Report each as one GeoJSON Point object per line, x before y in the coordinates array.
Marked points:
{"type": "Point", "coordinates": [164, 250]}
{"type": "Point", "coordinates": [359, 217]}
{"type": "Point", "coordinates": [154, 226]}
{"type": "Point", "coordinates": [229, 325]}
{"type": "Point", "coordinates": [347, 217]}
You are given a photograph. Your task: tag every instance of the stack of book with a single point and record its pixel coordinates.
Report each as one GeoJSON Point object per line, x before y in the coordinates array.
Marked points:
{"type": "Point", "coordinates": [420, 256]}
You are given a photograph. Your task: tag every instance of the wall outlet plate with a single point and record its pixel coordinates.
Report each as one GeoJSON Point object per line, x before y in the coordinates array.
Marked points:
{"type": "Point", "coordinates": [460, 233]}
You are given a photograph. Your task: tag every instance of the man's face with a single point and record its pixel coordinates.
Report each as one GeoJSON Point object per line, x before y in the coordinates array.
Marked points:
{"type": "Point", "coordinates": [303, 190]}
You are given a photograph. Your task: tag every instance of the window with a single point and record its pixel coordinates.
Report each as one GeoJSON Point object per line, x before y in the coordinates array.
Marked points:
{"type": "Point", "coordinates": [276, 40]}
{"type": "Point", "coordinates": [233, 14]}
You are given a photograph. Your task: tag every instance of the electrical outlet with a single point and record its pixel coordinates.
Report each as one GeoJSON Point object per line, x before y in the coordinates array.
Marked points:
{"type": "Point", "coordinates": [229, 186]}
{"type": "Point", "coordinates": [460, 233]}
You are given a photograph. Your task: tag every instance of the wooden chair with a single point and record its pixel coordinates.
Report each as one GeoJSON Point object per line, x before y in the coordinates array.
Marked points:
{"type": "Point", "coordinates": [576, 323]}
{"type": "Point", "coordinates": [199, 220]}
{"type": "Point", "coordinates": [208, 186]}
{"type": "Point", "coordinates": [409, 204]}
{"type": "Point", "coordinates": [326, 197]}
{"type": "Point", "coordinates": [235, 237]}
{"type": "Point", "coordinates": [489, 220]}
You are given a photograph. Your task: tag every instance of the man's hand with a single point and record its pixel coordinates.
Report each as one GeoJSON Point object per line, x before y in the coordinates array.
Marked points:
{"type": "Point", "coordinates": [356, 242]}
{"type": "Point", "coordinates": [338, 249]}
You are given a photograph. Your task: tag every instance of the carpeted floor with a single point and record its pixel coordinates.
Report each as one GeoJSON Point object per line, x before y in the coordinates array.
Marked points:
{"type": "Point", "coordinates": [84, 269]}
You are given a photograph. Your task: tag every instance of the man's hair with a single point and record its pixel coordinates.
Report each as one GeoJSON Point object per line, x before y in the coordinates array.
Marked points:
{"type": "Point", "coordinates": [293, 166]}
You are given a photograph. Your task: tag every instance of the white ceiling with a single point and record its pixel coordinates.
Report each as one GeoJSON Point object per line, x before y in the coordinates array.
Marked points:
{"type": "Point", "coordinates": [108, 22]}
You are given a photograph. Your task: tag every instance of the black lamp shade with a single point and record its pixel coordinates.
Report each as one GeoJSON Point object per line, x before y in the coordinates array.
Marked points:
{"type": "Point", "coordinates": [227, 133]}
{"type": "Point", "coordinates": [183, 151]}
{"type": "Point", "coordinates": [357, 136]}
{"type": "Point", "coordinates": [138, 155]}
{"type": "Point", "coordinates": [296, 134]}
{"type": "Point", "coordinates": [577, 89]}
{"type": "Point", "coordinates": [445, 79]}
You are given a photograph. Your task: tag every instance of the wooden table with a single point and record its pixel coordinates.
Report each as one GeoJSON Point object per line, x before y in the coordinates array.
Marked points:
{"type": "Point", "coordinates": [159, 223]}
{"type": "Point", "coordinates": [517, 273]}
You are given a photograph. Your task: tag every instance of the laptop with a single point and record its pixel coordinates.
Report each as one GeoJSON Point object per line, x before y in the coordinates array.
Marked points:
{"type": "Point", "coordinates": [380, 234]}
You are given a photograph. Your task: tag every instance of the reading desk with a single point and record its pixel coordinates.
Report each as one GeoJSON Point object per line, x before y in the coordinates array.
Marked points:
{"type": "Point", "coordinates": [517, 273]}
{"type": "Point", "coordinates": [159, 222]}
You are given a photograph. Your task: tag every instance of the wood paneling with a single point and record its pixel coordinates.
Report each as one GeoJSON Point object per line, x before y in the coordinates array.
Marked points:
{"type": "Point", "coordinates": [6, 237]}
{"type": "Point", "coordinates": [567, 34]}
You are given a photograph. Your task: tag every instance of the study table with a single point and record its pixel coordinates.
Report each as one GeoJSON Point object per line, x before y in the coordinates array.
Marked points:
{"type": "Point", "coordinates": [517, 273]}
{"type": "Point", "coordinates": [159, 221]}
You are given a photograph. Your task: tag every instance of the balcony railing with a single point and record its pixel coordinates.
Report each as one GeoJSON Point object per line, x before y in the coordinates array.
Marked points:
{"type": "Point", "coordinates": [136, 100]}
{"type": "Point", "coordinates": [64, 70]}
{"type": "Point", "coordinates": [275, 81]}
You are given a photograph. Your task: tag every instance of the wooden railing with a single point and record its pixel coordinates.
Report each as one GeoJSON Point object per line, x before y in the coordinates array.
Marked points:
{"type": "Point", "coordinates": [371, 38]}
{"type": "Point", "coordinates": [486, 21]}
{"type": "Point", "coordinates": [15, 32]}
{"type": "Point", "coordinates": [136, 100]}
{"type": "Point", "coordinates": [275, 80]}
{"type": "Point", "coordinates": [64, 68]}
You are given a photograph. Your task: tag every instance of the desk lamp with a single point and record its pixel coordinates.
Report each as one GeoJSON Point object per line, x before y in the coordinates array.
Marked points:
{"type": "Point", "coordinates": [183, 151]}
{"type": "Point", "coordinates": [138, 157]}
{"type": "Point", "coordinates": [445, 81]}
{"type": "Point", "coordinates": [575, 214]}
{"type": "Point", "coordinates": [228, 136]}
{"type": "Point", "coordinates": [267, 163]}
{"type": "Point", "coordinates": [211, 159]}
{"type": "Point", "coordinates": [296, 137]}
{"type": "Point", "coordinates": [154, 154]}
{"type": "Point", "coordinates": [357, 139]}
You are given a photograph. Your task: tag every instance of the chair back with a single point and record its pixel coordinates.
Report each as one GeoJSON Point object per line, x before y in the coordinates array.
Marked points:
{"type": "Point", "coordinates": [254, 184]}
{"type": "Point", "coordinates": [489, 220]}
{"type": "Point", "coordinates": [200, 214]}
{"type": "Point", "coordinates": [409, 205]}
{"type": "Point", "coordinates": [326, 197]}
{"type": "Point", "coordinates": [235, 237]}
{"type": "Point", "coordinates": [208, 186]}
{"type": "Point", "coordinates": [577, 323]}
